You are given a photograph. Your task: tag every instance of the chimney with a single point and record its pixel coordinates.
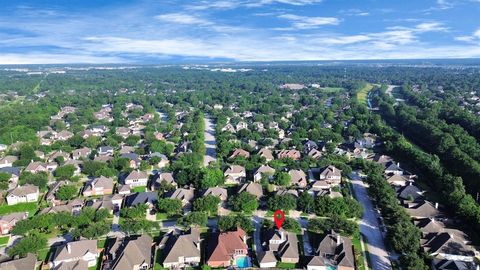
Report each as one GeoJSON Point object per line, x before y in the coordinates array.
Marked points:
{"type": "Point", "coordinates": [410, 183]}
{"type": "Point", "coordinates": [436, 205]}
{"type": "Point", "coordinates": [69, 248]}
{"type": "Point", "coordinates": [398, 164]}
{"type": "Point", "coordinates": [339, 239]}
{"type": "Point", "coordinates": [432, 219]}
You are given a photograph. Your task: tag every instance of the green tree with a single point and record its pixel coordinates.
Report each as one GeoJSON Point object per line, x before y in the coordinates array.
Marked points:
{"type": "Point", "coordinates": [244, 202]}
{"type": "Point", "coordinates": [39, 179]}
{"type": "Point", "coordinates": [208, 204]}
{"type": "Point", "coordinates": [64, 172]}
{"type": "Point", "coordinates": [170, 206]}
{"type": "Point", "coordinates": [282, 179]}
{"type": "Point", "coordinates": [305, 202]}
{"type": "Point", "coordinates": [285, 202]}
{"type": "Point", "coordinates": [194, 218]}
{"type": "Point", "coordinates": [4, 178]}
{"type": "Point", "coordinates": [28, 244]}
{"type": "Point", "coordinates": [66, 192]}
{"type": "Point", "coordinates": [211, 177]}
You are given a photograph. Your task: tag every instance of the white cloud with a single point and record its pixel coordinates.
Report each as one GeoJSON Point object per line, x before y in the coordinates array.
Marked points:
{"type": "Point", "coordinates": [53, 58]}
{"type": "Point", "coordinates": [473, 38]}
{"type": "Point", "coordinates": [182, 18]}
{"type": "Point", "coordinates": [303, 22]}
{"type": "Point", "coordinates": [430, 26]}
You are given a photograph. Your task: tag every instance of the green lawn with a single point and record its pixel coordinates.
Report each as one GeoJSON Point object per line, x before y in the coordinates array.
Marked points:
{"type": "Point", "coordinates": [139, 189]}
{"type": "Point", "coordinates": [358, 253]}
{"type": "Point", "coordinates": [4, 240]}
{"type": "Point", "coordinates": [283, 265]}
{"type": "Point", "coordinates": [161, 216]}
{"type": "Point", "coordinates": [331, 89]}
{"type": "Point", "coordinates": [362, 94]}
{"type": "Point", "coordinates": [31, 208]}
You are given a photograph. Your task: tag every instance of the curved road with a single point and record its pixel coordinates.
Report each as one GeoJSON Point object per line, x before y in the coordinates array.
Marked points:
{"type": "Point", "coordinates": [370, 227]}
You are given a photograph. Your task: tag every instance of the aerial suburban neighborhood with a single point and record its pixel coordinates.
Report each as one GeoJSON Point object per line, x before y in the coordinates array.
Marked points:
{"type": "Point", "coordinates": [145, 180]}
{"type": "Point", "coordinates": [240, 134]}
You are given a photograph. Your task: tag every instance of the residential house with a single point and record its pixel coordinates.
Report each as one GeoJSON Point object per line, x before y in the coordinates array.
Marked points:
{"type": "Point", "coordinates": [105, 150]}
{"type": "Point", "coordinates": [129, 253]}
{"type": "Point", "coordinates": [241, 125]}
{"type": "Point", "coordinates": [98, 186]}
{"type": "Point", "coordinates": [444, 264]}
{"type": "Point", "coordinates": [123, 132]}
{"type": "Point", "coordinates": [392, 168]}
{"type": "Point", "coordinates": [81, 153]}
{"type": "Point", "coordinates": [225, 248]}
{"type": "Point", "coordinates": [252, 188]}
{"type": "Point", "coordinates": [111, 203]}
{"type": "Point", "coordinates": [182, 250]}
{"type": "Point", "coordinates": [298, 178]}
{"type": "Point", "coordinates": [126, 149]}
{"type": "Point", "coordinates": [229, 128]}
{"type": "Point", "coordinates": [423, 209]}
{"type": "Point", "coordinates": [332, 174]}
{"type": "Point", "coordinates": [337, 251]}
{"type": "Point", "coordinates": [238, 152]}
{"type": "Point", "coordinates": [52, 189]}
{"type": "Point", "coordinates": [55, 155]}
{"type": "Point", "coordinates": [64, 135]}
{"type": "Point", "coordinates": [27, 263]}
{"type": "Point", "coordinates": [133, 158]}
{"type": "Point", "coordinates": [445, 245]}
{"type": "Point", "coordinates": [291, 154]}
{"type": "Point", "coordinates": [266, 259]}
{"type": "Point", "coordinates": [184, 195]}
{"type": "Point", "coordinates": [23, 194]}
{"type": "Point", "coordinates": [123, 189]}
{"type": "Point", "coordinates": [7, 222]}
{"type": "Point", "coordinates": [283, 244]}
{"type": "Point", "coordinates": [266, 153]}
{"type": "Point", "coordinates": [82, 254]}
{"type": "Point", "coordinates": [36, 166]}
{"type": "Point", "coordinates": [309, 146]}
{"type": "Point", "coordinates": [235, 174]}
{"type": "Point", "coordinates": [7, 161]}
{"type": "Point", "coordinates": [261, 171]}
{"type": "Point", "coordinates": [136, 178]}
{"type": "Point", "coordinates": [399, 180]}
{"type": "Point", "coordinates": [166, 177]}
{"type": "Point", "coordinates": [163, 159]}
{"type": "Point", "coordinates": [314, 154]}
{"type": "Point", "coordinates": [409, 193]}
{"type": "Point", "coordinates": [149, 198]}
{"type": "Point", "coordinates": [217, 192]}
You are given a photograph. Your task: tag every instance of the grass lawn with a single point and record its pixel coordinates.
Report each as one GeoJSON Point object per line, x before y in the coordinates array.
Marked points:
{"type": "Point", "coordinates": [43, 254]}
{"type": "Point", "coordinates": [362, 94]}
{"type": "Point", "coordinates": [31, 208]}
{"type": "Point", "coordinates": [331, 89]}
{"type": "Point", "coordinates": [139, 189]}
{"type": "Point", "coordinates": [4, 240]}
{"type": "Point", "coordinates": [161, 216]}
{"type": "Point", "coordinates": [358, 253]}
{"type": "Point", "coordinates": [101, 243]}
{"type": "Point", "coordinates": [283, 265]}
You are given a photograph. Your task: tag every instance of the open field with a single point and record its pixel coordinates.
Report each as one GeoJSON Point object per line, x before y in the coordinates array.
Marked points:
{"type": "Point", "coordinates": [362, 94]}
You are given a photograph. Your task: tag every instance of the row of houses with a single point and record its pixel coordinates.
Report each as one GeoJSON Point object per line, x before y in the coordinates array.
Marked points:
{"type": "Point", "coordinates": [450, 248]}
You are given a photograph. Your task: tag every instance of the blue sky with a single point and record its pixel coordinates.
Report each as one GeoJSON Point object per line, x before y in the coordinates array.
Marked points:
{"type": "Point", "coordinates": [120, 31]}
